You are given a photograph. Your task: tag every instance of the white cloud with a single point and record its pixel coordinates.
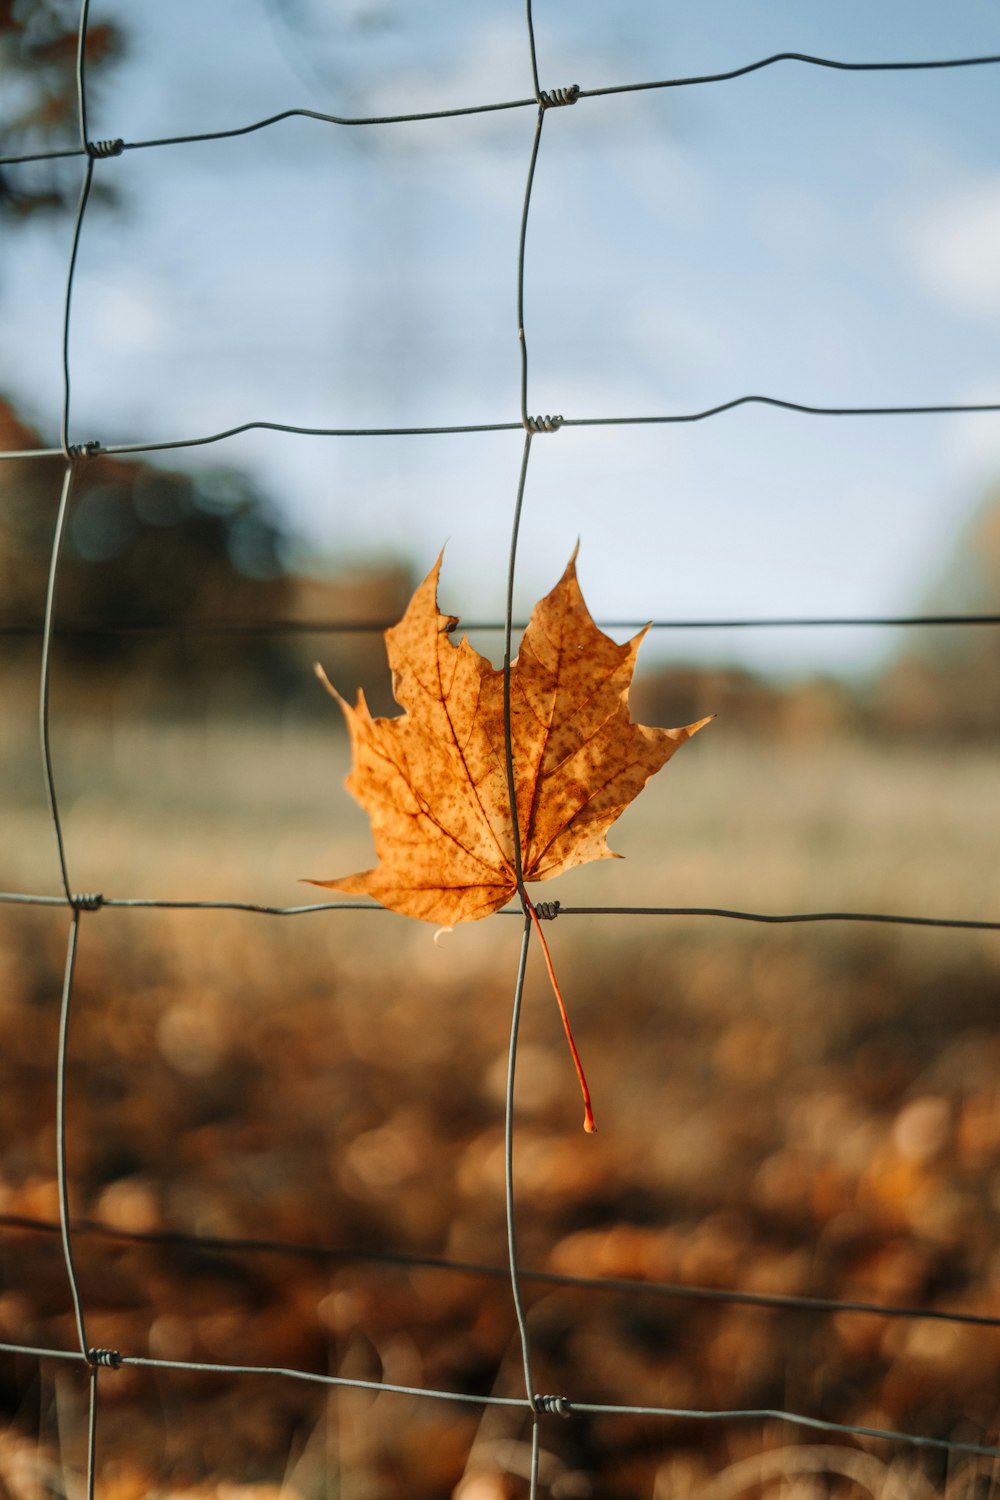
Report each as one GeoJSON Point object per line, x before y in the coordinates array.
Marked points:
{"type": "Point", "coordinates": [491, 63]}
{"type": "Point", "coordinates": [972, 443]}
{"type": "Point", "coordinates": [125, 315]}
{"type": "Point", "coordinates": [954, 248]}
{"type": "Point", "coordinates": [793, 219]}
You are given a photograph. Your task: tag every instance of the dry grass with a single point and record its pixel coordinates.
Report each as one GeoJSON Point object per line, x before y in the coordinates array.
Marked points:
{"type": "Point", "coordinates": [246, 809]}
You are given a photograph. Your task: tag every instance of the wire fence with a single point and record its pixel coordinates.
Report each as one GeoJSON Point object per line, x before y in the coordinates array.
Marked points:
{"type": "Point", "coordinates": [75, 454]}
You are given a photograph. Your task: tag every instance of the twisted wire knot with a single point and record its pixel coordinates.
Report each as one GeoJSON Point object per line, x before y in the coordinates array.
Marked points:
{"type": "Point", "coordinates": [88, 901]}
{"type": "Point", "coordinates": [83, 450]}
{"type": "Point", "coordinates": [547, 910]}
{"type": "Point", "coordinates": [557, 1405]}
{"type": "Point", "coordinates": [543, 424]}
{"type": "Point", "coordinates": [552, 98]}
{"type": "Point", "coordinates": [96, 149]}
{"type": "Point", "coordinates": [107, 1357]}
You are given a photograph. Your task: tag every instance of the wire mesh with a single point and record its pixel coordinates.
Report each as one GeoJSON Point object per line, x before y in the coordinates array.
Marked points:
{"type": "Point", "coordinates": [75, 455]}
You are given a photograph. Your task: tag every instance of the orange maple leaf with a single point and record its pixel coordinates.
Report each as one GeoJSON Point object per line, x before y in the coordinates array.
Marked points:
{"type": "Point", "coordinates": [434, 780]}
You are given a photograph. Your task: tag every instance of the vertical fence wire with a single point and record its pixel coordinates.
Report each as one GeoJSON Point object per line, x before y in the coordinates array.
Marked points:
{"type": "Point", "coordinates": [522, 243]}
{"type": "Point", "coordinates": [63, 1187]}
{"type": "Point", "coordinates": [71, 458]}
{"type": "Point", "coordinates": [522, 1325]}
{"type": "Point", "coordinates": [509, 1202]}
{"type": "Point", "coordinates": [44, 711]}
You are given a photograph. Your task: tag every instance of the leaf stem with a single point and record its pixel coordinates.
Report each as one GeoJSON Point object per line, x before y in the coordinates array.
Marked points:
{"type": "Point", "coordinates": [589, 1123]}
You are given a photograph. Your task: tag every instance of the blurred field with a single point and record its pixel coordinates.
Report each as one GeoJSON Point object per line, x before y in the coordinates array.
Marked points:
{"type": "Point", "coordinates": [247, 808]}
{"type": "Point", "coordinates": [808, 1110]}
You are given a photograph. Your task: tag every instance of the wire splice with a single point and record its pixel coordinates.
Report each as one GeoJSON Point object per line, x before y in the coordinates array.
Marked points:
{"type": "Point", "coordinates": [543, 424]}
{"type": "Point", "coordinates": [547, 910]}
{"type": "Point", "coordinates": [88, 901]}
{"type": "Point", "coordinates": [97, 150]}
{"type": "Point", "coordinates": [83, 450]}
{"type": "Point", "coordinates": [557, 1406]}
{"type": "Point", "coordinates": [108, 1358]}
{"type": "Point", "coordinates": [553, 98]}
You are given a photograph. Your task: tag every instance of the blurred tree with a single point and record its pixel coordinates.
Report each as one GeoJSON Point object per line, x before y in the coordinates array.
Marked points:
{"type": "Point", "coordinates": [38, 41]}
{"type": "Point", "coordinates": [151, 557]}
{"type": "Point", "coordinates": [745, 702]}
{"type": "Point", "coordinates": [947, 682]}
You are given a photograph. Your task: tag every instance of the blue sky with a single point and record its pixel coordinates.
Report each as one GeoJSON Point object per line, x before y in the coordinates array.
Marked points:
{"type": "Point", "coordinates": [825, 237]}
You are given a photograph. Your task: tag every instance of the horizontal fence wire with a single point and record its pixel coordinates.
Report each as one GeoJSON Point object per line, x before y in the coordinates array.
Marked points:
{"type": "Point", "coordinates": [627, 1285]}
{"type": "Point", "coordinates": [113, 450]}
{"type": "Point", "coordinates": [153, 903]}
{"type": "Point", "coordinates": [535, 1406]}
{"type": "Point", "coordinates": [116, 147]}
{"type": "Point", "coordinates": [29, 628]}
{"type": "Point", "coordinates": [75, 456]}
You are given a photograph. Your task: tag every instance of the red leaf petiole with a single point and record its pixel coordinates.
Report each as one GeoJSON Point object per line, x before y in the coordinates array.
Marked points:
{"type": "Point", "coordinates": [588, 1114]}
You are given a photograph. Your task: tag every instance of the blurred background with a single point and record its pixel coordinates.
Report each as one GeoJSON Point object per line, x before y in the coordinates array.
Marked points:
{"type": "Point", "coordinates": [806, 1110]}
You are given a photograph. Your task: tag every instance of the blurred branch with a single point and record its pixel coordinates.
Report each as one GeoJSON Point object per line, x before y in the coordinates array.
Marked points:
{"type": "Point", "coordinates": [37, 107]}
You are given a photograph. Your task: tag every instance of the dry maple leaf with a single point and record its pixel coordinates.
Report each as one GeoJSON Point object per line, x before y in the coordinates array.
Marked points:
{"type": "Point", "coordinates": [434, 780]}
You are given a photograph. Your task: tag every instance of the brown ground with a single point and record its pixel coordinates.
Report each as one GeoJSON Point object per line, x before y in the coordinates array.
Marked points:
{"type": "Point", "coordinates": [802, 1109]}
